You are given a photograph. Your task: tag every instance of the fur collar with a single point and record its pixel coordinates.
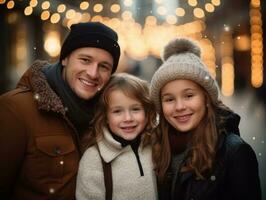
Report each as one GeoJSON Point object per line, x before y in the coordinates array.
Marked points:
{"type": "Point", "coordinates": [35, 80]}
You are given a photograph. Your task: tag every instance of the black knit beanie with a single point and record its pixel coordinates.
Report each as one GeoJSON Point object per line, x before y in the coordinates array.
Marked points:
{"type": "Point", "coordinates": [92, 34]}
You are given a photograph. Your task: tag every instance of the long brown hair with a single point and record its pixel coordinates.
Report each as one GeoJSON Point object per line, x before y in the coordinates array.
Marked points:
{"type": "Point", "coordinates": [202, 149]}
{"type": "Point", "coordinates": [133, 87]}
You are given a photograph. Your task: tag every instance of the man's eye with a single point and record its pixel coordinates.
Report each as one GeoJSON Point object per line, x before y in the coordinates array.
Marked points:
{"type": "Point", "coordinates": [105, 67]}
{"type": "Point", "coordinates": [84, 60]}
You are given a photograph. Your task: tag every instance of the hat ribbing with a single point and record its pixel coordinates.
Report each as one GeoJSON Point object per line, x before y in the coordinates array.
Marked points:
{"type": "Point", "coordinates": [182, 61]}
{"type": "Point", "coordinates": [92, 34]}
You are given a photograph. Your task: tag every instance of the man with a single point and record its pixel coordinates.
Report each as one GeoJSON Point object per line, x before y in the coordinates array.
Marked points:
{"type": "Point", "coordinates": [44, 118]}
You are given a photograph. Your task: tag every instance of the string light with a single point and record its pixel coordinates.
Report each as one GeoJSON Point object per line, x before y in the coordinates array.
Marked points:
{"type": "Point", "coordinates": [10, 4]}
{"type": "Point", "coordinates": [227, 62]}
{"type": "Point", "coordinates": [256, 44]}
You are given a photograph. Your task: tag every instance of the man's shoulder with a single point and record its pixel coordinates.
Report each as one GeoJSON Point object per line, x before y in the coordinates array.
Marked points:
{"type": "Point", "coordinates": [19, 99]}
{"type": "Point", "coordinates": [14, 93]}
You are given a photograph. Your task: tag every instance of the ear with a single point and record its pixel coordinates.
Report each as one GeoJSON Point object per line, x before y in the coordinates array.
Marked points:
{"type": "Point", "coordinates": [64, 61]}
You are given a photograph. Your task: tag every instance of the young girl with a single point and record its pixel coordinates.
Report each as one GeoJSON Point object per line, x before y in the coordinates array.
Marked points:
{"type": "Point", "coordinates": [198, 152]}
{"type": "Point", "coordinates": [118, 163]}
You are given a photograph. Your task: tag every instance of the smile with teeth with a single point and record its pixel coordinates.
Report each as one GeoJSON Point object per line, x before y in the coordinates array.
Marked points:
{"type": "Point", "coordinates": [128, 128]}
{"type": "Point", "coordinates": [183, 118]}
{"type": "Point", "coordinates": [88, 83]}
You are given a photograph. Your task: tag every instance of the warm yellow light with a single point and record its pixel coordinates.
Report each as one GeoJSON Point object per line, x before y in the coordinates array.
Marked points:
{"type": "Point", "coordinates": [127, 15]}
{"type": "Point", "coordinates": [10, 4]}
{"type": "Point", "coordinates": [254, 12]}
{"type": "Point", "coordinates": [97, 18]}
{"type": "Point", "coordinates": [256, 29]}
{"type": "Point", "coordinates": [228, 77]}
{"type": "Point", "coordinates": [150, 21]}
{"type": "Point", "coordinates": [21, 50]}
{"type": "Point", "coordinates": [70, 14]}
{"type": "Point", "coordinates": [192, 2]}
{"type": "Point", "coordinates": [2, 1]}
{"type": "Point", "coordinates": [69, 23]}
{"type": "Point", "coordinates": [159, 1]}
{"type": "Point", "coordinates": [115, 22]}
{"type": "Point", "coordinates": [45, 15]}
{"type": "Point", "coordinates": [242, 43]}
{"type": "Point", "coordinates": [84, 5]}
{"type": "Point", "coordinates": [115, 8]}
{"type": "Point", "coordinates": [255, 3]}
{"type": "Point", "coordinates": [85, 17]}
{"type": "Point", "coordinates": [45, 5]}
{"type": "Point", "coordinates": [128, 3]}
{"type": "Point", "coordinates": [209, 7]}
{"type": "Point", "coordinates": [33, 3]}
{"type": "Point", "coordinates": [180, 12]}
{"type": "Point", "coordinates": [28, 10]}
{"type": "Point", "coordinates": [198, 12]}
{"type": "Point", "coordinates": [256, 75]}
{"type": "Point", "coordinates": [171, 19]}
{"type": "Point", "coordinates": [55, 18]}
{"type": "Point", "coordinates": [52, 43]}
{"type": "Point", "coordinates": [257, 44]}
{"type": "Point", "coordinates": [78, 17]}
{"type": "Point", "coordinates": [216, 2]}
{"type": "Point", "coordinates": [256, 20]}
{"type": "Point", "coordinates": [161, 10]}
{"type": "Point", "coordinates": [98, 7]}
{"type": "Point", "coordinates": [61, 8]}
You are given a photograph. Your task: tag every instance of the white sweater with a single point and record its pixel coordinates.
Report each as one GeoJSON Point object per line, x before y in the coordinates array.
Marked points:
{"type": "Point", "coordinates": [128, 184]}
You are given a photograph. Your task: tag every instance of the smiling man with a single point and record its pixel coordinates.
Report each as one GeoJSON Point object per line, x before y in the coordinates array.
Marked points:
{"type": "Point", "coordinates": [43, 119]}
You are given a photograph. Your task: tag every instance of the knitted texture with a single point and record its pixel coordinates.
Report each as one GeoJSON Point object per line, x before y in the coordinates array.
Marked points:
{"type": "Point", "coordinates": [182, 61]}
{"type": "Point", "coordinates": [92, 34]}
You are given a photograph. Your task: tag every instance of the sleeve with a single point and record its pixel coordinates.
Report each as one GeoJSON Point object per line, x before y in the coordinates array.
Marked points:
{"type": "Point", "coordinates": [244, 182]}
{"type": "Point", "coordinates": [12, 147]}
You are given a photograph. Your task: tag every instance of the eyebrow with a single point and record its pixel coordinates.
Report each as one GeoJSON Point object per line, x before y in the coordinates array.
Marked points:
{"type": "Point", "coordinates": [185, 90]}
{"type": "Point", "coordinates": [103, 62]}
{"type": "Point", "coordinates": [133, 105]}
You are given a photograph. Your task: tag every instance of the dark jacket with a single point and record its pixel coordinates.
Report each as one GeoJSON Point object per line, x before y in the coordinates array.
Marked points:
{"type": "Point", "coordinates": [234, 175]}
{"type": "Point", "coordinates": [39, 149]}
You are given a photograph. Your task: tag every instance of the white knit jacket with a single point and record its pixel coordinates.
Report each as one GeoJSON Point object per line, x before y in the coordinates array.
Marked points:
{"type": "Point", "coordinates": [128, 184]}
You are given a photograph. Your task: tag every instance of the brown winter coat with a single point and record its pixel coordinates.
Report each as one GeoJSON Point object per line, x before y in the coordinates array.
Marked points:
{"type": "Point", "coordinates": [39, 151]}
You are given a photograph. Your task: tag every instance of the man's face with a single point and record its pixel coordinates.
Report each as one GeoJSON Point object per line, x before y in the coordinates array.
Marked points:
{"type": "Point", "coordinates": [87, 70]}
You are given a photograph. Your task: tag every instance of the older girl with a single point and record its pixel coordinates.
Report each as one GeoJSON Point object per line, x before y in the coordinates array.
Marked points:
{"type": "Point", "coordinates": [198, 152]}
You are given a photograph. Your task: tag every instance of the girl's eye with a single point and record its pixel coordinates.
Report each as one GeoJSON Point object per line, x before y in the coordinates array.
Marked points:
{"type": "Point", "coordinates": [116, 111]}
{"type": "Point", "coordinates": [168, 99]}
{"type": "Point", "coordinates": [137, 109]}
{"type": "Point", "coordinates": [189, 96]}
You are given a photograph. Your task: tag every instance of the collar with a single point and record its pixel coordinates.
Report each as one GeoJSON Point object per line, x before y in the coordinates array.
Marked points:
{"type": "Point", "coordinates": [34, 79]}
{"type": "Point", "coordinates": [109, 147]}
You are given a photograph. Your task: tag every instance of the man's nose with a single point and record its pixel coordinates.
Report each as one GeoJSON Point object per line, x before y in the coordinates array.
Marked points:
{"type": "Point", "coordinates": [93, 71]}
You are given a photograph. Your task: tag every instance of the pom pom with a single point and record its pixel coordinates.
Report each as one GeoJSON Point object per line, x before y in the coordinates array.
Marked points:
{"type": "Point", "coordinates": [180, 45]}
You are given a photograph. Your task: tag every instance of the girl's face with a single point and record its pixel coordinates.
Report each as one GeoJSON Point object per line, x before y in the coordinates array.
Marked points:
{"type": "Point", "coordinates": [183, 104]}
{"type": "Point", "coordinates": [125, 115]}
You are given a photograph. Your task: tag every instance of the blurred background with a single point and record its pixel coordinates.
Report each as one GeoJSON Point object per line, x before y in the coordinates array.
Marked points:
{"type": "Point", "coordinates": [230, 33]}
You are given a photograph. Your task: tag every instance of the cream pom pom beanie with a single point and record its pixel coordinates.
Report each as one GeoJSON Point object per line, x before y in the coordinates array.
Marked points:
{"type": "Point", "coordinates": [181, 60]}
